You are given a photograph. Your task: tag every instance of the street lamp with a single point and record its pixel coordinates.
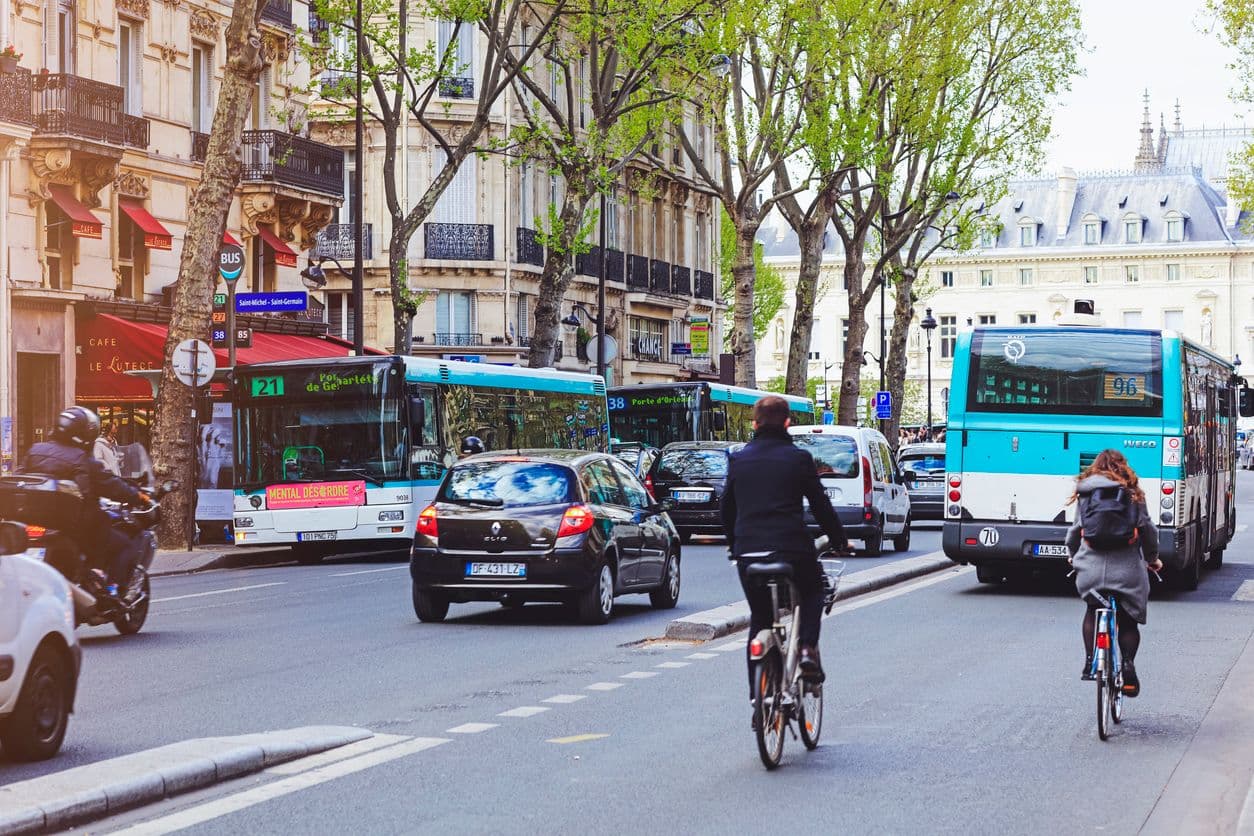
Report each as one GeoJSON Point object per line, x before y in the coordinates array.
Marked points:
{"type": "Point", "coordinates": [929, 325]}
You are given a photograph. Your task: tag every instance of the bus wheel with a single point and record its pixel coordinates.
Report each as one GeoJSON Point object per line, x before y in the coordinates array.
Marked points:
{"type": "Point", "coordinates": [988, 574]}
{"type": "Point", "coordinates": [1215, 560]}
{"type": "Point", "coordinates": [1191, 575]}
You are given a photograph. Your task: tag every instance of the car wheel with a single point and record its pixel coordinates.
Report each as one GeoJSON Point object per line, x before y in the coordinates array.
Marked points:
{"type": "Point", "coordinates": [901, 542]}
{"type": "Point", "coordinates": [873, 546]}
{"type": "Point", "coordinates": [35, 729]}
{"type": "Point", "coordinates": [429, 605]}
{"type": "Point", "coordinates": [666, 596]}
{"type": "Point", "coordinates": [597, 601]}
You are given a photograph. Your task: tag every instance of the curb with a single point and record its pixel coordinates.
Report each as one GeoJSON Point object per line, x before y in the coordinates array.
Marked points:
{"type": "Point", "coordinates": [97, 790]}
{"type": "Point", "coordinates": [720, 621]}
{"type": "Point", "coordinates": [228, 558]}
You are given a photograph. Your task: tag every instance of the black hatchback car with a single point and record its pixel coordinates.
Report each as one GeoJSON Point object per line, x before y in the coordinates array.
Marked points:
{"type": "Point", "coordinates": [543, 525]}
{"type": "Point", "coordinates": [692, 475]}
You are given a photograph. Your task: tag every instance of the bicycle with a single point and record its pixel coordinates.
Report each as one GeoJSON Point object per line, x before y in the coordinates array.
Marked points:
{"type": "Point", "coordinates": [779, 693]}
{"type": "Point", "coordinates": [1107, 666]}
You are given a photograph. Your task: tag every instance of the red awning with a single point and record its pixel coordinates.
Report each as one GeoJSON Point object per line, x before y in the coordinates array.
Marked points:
{"type": "Point", "coordinates": [108, 346]}
{"type": "Point", "coordinates": [156, 236]}
{"type": "Point", "coordinates": [284, 256]}
{"type": "Point", "coordinates": [228, 238]}
{"type": "Point", "coordinates": [82, 222]}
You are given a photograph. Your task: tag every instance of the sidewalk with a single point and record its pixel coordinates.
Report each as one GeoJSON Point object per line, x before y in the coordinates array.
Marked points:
{"type": "Point", "coordinates": [171, 562]}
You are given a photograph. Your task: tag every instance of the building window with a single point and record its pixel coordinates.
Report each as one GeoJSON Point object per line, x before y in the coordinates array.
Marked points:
{"type": "Point", "coordinates": [1092, 232]}
{"type": "Point", "coordinates": [460, 56]}
{"type": "Point", "coordinates": [1027, 319]}
{"type": "Point", "coordinates": [1175, 229]}
{"type": "Point", "coordinates": [948, 335]}
{"type": "Point", "coordinates": [1174, 321]}
{"type": "Point", "coordinates": [66, 35]}
{"type": "Point", "coordinates": [844, 335]}
{"type": "Point", "coordinates": [988, 238]}
{"type": "Point", "coordinates": [1131, 319]}
{"type": "Point", "coordinates": [988, 319]}
{"type": "Point", "coordinates": [1173, 272]}
{"type": "Point", "coordinates": [454, 317]}
{"type": "Point", "coordinates": [340, 315]}
{"type": "Point", "coordinates": [1025, 275]}
{"type": "Point", "coordinates": [130, 62]}
{"type": "Point", "coordinates": [1131, 273]}
{"type": "Point", "coordinates": [131, 259]}
{"type": "Point", "coordinates": [947, 278]}
{"type": "Point", "coordinates": [612, 223]}
{"type": "Point", "coordinates": [816, 328]}
{"type": "Point", "coordinates": [702, 259]}
{"type": "Point", "coordinates": [1027, 235]}
{"type": "Point", "coordinates": [646, 338]}
{"type": "Point", "coordinates": [59, 247]}
{"type": "Point", "coordinates": [986, 278]}
{"type": "Point", "coordinates": [1132, 231]}
{"type": "Point", "coordinates": [523, 315]}
{"type": "Point", "coordinates": [202, 95]}
{"type": "Point", "coordinates": [1090, 275]}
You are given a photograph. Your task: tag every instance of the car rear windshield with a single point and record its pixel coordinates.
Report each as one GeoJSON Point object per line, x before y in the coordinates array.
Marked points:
{"type": "Point", "coordinates": [692, 464]}
{"type": "Point", "coordinates": [508, 484]}
{"type": "Point", "coordinates": [834, 455]}
{"type": "Point", "coordinates": [922, 462]}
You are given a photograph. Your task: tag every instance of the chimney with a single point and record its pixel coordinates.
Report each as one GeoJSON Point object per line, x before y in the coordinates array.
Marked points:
{"type": "Point", "coordinates": [1066, 200]}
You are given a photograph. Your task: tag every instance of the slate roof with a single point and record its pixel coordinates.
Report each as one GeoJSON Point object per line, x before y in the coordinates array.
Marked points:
{"type": "Point", "coordinates": [1209, 149]}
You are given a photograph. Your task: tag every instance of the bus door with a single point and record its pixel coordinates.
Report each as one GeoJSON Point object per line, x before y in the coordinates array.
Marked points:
{"type": "Point", "coordinates": [1211, 458]}
{"type": "Point", "coordinates": [426, 464]}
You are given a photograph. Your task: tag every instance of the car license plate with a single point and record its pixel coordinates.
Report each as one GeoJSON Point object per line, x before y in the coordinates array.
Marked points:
{"type": "Point", "coordinates": [496, 570]}
{"type": "Point", "coordinates": [307, 536]}
{"type": "Point", "coordinates": [833, 494]}
{"type": "Point", "coordinates": [1050, 550]}
{"type": "Point", "coordinates": [690, 496]}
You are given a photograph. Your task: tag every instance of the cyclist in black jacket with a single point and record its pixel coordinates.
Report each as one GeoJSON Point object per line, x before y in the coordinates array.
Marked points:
{"type": "Point", "coordinates": [69, 456]}
{"type": "Point", "coordinates": [763, 512]}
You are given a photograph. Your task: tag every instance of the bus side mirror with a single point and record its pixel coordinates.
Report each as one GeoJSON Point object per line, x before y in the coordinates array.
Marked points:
{"type": "Point", "coordinates": [417, 419]}
{"type": "Point", "coordinates": [718, 421]}
{"type": "Point", "coordinates": [1245, 402]}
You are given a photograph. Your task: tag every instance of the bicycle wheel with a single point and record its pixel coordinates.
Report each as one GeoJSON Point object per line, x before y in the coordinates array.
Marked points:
{"type": "Point", "coordinates": [767, 704]}
{"type": "Point", "coordinates": [1103, 697]}
{"type": "Point", "coordinates": [1116, 697]}
{"type": "Point", "coordinates": [810, 714]}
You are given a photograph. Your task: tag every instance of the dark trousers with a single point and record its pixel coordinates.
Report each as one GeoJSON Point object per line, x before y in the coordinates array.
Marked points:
{"type": "Point", "coordinates": [808, 578]}
{"type": "Point", "coordinates": [111, 551]}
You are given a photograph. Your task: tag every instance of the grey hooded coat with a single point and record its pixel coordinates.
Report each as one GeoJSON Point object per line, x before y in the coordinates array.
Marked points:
{"type": "Point", "coordinates": [1121, 571]}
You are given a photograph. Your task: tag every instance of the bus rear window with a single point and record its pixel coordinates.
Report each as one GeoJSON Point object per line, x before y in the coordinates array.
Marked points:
{"type": "Point", "coordinates": [1066, 372]}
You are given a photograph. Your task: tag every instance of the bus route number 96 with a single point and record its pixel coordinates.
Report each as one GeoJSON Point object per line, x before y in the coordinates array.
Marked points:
{"type": "Point", "coordinates": [1120, 387]}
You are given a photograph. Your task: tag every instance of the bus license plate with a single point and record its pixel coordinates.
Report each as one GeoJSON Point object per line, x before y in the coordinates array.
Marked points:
{"type": "Point", "coordinates": [307, 536]}
{"type": "Point", "coordinates": [1050, 550]}
{"type": "Point", "coordinates": [496, 570]}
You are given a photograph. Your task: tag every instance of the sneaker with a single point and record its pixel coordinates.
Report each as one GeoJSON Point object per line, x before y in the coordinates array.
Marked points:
{"type": "Point", "coordinates": [811, 668]}
{"type": "Point", "coordinates": [1087, 674]}
{"type": "Point", "coordinates": [1131, 685]}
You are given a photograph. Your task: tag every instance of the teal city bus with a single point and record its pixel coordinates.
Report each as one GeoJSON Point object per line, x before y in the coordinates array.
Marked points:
{"type": "Point", "coordinates": [659, 413]}
{"type": "Point", "coordinates": [1031, 407]}
{"type": "Point", "coordinates": [353, 448]}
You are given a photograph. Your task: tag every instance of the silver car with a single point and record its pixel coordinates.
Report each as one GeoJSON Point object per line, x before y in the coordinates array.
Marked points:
{"type": "Point", "coordinates": [922, 469]}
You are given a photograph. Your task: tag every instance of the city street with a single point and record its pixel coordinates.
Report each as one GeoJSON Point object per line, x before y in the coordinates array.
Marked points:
{"type": "Point", "coordinates": [951, 706]}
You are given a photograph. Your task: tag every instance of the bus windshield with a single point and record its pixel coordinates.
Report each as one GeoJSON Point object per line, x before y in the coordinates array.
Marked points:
{"type": "Point", "coordinates": [656, 416]}
{"type": "Point", "coordinates": [1066, 372]}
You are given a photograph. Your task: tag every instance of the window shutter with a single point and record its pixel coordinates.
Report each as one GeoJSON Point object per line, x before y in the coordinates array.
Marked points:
{"type": "Point", "coordinates": [472, 313]}
{"type": "Point", "coordinates": [524, 317]}
{"type": "Point", "coordinates": [444, 34]}
{"type": "Point", "coordinates": [416, 188]}
{"type": "Point", "coordinates": [466, 50]}
{"type": "Point", "coordinates": [457, 204]}
{"type": "Point", "coordinates": [441, 312]}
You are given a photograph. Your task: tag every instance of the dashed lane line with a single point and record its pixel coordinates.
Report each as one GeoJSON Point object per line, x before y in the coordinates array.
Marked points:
{"type": "Point", "coordinates": [724, 648]}
{"type": "Point", "coordinates": [525, 711]}
{"type": "Point", "coordinates": [565, 699]}
{"type": "Point", "coordinates": [673, 665]}
{"type": "Point", "coordinates": [1245, 592]}
{"type": "Point", "coordinates": [702, 656]}
{"type": "Point", "coordinates": [576, 738]}
{"type": "Point", "coordinates": [471, 728]}
{"type": "Point", "coordinates": [369, 571]}
{"type": "Point", "coordinates": [217, 592]}
{"type": "Point", "coordinates": [603, 686]}
{"type": "Point", "coordinates": [639, 675]}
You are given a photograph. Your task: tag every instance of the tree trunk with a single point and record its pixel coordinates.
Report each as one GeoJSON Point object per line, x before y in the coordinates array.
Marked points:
{"type": "Point", "coordinates": [743, 345]}
{"type": "Point", "coordinates": [404, 305]}
{"type": "Point", "coordinates": [810, 239]}
{"type": "Point", "coordinates": [554, 282]}
{"type": "Point", "coordinates": [851, 368]}
{"type": "Point", "coordinates": [174, 432]}
{"type": "Point", "coordinates": [903, 314]}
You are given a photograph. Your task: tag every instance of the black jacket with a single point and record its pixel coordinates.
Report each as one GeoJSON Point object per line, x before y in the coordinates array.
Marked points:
{"type": "Point", "coordinates": [65, 461]}
{"type": "Point", "coordinates": [762, 510]}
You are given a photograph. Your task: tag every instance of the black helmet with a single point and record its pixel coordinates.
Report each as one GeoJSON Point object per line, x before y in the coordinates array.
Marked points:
{"type": "Point", "coordinates": [77, 425]}
{"type": "Point", "coordinates": [471, 445]}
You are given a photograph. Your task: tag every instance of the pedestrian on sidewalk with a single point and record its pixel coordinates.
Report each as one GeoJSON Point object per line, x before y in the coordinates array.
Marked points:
{"type": "Point", "coordinates": [105, 450]}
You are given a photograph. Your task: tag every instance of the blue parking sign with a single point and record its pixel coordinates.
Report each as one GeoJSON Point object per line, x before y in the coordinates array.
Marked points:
{"type": "Point", "coordinates": [883, 405]}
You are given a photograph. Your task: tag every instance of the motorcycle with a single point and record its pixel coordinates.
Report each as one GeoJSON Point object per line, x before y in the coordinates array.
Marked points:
{"type": "Point", "coordinates": [32, 506]}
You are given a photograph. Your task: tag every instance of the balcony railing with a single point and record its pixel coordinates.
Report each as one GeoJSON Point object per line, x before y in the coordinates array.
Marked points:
{"type": "Point", "coordinates": [459, 242]}
{"type": "Point", "coordinates": [530, 250]}
{"type": "Point", "coordinates": [681, 280]}
{"type": "Point", "coordinates": [453, 87]}
{"type": "Point", "coordinates": [589, 264]}
{"type": "Point", "coordinates": [336, 241]}
{"type": "Point", "coordinates": [15, 97]}
{"type": "Point", "coordinates": [278, 12]}
{"type": "Point", "coordinates": [637, 272]}
{"type": "Point", "coordinates": [287, 160]}
{"type": "Point", "coordinates": [614, 265]}
{"type": "Point", "coordinates": [659, 276]}
{"type": "Point", "coordinates": [458, 338]}
{"type": "Point", "coordinates": [200, 146]}
{"type": "Point", "coordinates": [338, 83]}
{"type": "Point", "coordinates": [703, 284]}
{"type": "Point", "coordinates": [82, 107]}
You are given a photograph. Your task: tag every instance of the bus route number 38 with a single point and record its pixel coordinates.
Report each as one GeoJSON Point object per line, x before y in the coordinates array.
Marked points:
{"type": "Point", "coordinates": [617, 403]}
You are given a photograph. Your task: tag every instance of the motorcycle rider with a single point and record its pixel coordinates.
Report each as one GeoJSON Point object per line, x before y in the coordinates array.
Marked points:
{"type": "Point", "coordinates": [69, 456]}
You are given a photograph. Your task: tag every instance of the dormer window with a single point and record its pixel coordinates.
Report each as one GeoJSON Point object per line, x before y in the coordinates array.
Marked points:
{"type": "Point", "coordinates": [1092, 227]}
{"type": "Point", "coordinates": [1175, 226]}
{"type": "Point", "coordinates": [1133, 227]}
{"type": "Point", "coordinates": [1028, 232]}
{"type": "Point", "coordinates": [988, 238]}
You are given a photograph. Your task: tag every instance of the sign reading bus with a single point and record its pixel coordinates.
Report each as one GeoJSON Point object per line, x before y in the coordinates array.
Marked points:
{"type": "Point", "coordinates": [315, 495]}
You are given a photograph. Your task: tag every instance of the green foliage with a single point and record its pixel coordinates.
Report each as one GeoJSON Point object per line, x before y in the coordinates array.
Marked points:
{"type": "Point", "coordinates": [1236, 22]}
{"type": "Point", "coordinates": [769, 286]}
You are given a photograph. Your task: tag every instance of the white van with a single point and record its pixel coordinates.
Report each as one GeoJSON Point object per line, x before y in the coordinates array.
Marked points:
{"type": "Point", "coordinates": [856, 468]}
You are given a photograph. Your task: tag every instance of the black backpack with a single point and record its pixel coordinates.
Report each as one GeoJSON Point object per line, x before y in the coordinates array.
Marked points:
{"type": "Point", "coordinates": [1110, 517]}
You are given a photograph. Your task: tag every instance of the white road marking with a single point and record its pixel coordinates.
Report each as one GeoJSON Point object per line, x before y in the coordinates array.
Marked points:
{"type": "Point", "coordinates": [341, 753]}
{"type": "Point", "coordinates": [524, 711]}
{"type": "Point", "coordinates": [217, 592]}
{"type": "Point", "coordinates": [566, 699]}
{"type": "Point", "coordinates": [723, 648]}
{"type": "Point", "coordinates": [1245, 592]}
{"type": "Point", "coordinates": [638, 675]}
{"type": "Point", "coordinates": [471, 728]}
{"type": "Point", "coordinates": [1245, 822]}
{"type": "Point", "coordinates": [369, 571]}
{"type": "Point", "coordinates": [604, 686]}
{"type": "Point", "coordinates": [226, 805]}
{"type": "Point", "coordinates": [701, 656]}
{"type": "Point", "coordinates": [1242, 527]}
{"type": "Point", "coordinates": [670, 665]}
{"type": "Point", "coordinates": [860, 602]}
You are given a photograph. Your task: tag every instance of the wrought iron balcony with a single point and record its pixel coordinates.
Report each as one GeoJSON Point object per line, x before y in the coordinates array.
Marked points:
{"type": "Point", "coordinates": [681, 280]}
{"type": "Point", "coordinates": [336, 241]}
{"type": "Point", "coordinates": [70, 105]}
{"type": "Point", "coordinates": [614, 265]}
{"type": "Point", "coordinates": [200, 146]}
{"type": "Point", "coordinates": [277, 12]}
{"type": "Point", "coordinates": [637, 272]}
{"type": "Point", "coordinates": [459, 242]}
{"type": "Point", "coordinates": [530, 250]}
{"type": "Point", "coordinates": [287, 160]}
{"type": "Point", "coordinates": [15, 97]}
{"type": "Point", "coordinates": [458, 338]}
{"type": "Point", "coordinates": [339, 83]}
{"type": "Point", "coordinates": [453, 87]}
{"type": "Point", "coordinates": [589, 264]}
{"type": "Point", "coordinates": [703, 284]}
{"type": "Point", "coordinates": [659, 276]}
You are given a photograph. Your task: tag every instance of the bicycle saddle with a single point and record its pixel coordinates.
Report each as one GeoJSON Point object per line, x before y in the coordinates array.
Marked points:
{"type": "Point", "coordinates": [775, 569]}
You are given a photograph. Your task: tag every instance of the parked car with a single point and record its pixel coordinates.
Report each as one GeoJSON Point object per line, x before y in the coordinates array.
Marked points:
{"type": "Point", "coordinates": [39, 653]}
{"type": "Point", "coordinates": [692, 475]}
{"type": "Point", "coordinates": [638, 456]}
{"type": "Point", "coordinates": [856, 468]}
{"type": "Point", "coordinates": [543, 525]}
{"type": "Point", "coordinates": [922, 468]}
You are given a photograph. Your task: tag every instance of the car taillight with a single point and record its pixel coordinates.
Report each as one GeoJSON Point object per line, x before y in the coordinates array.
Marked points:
{"type": "Point", "coordinates": [648, 485]}
{"type": "Point", "coordinates": [955, 481]}
{"type": "Point", "coordinates": [576, 520]}
{"type": "Point", "coordinates": [427, 523]}
{"type": "Point", "coordinates": [34, 532]}
{"type": "Point", "coordinates": [866, 482]}
{"type": "Point", "coordinates": [955, 494]}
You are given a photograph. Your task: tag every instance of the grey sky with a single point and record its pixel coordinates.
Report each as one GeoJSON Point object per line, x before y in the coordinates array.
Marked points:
{"type": "Point", "coordinates": [1132, 45]}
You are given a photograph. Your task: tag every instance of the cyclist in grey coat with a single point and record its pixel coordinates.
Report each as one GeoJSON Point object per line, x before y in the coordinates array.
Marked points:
{"type": "Point", "coordinates": [1121, 571]}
